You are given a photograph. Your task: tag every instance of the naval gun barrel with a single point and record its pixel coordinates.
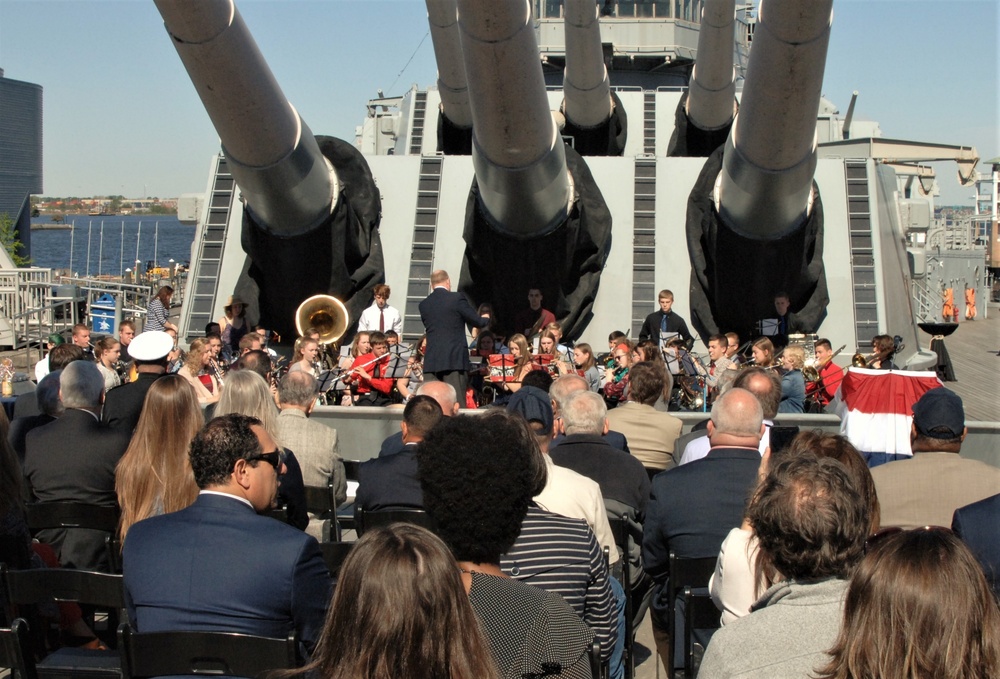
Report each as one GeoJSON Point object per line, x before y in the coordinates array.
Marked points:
{"type": "Point", "coordinates": [287, 183]}
{"type": "Point", "coordinates": [711, 96]}
{"type": "Point", "coordinates": [765, 187]}
{"type": "Point", "coordinates": [586, 85]}
{"type": "Point", "coordinates": [517, 153]}
{"type": "Point", "coordinates": [442, 16]}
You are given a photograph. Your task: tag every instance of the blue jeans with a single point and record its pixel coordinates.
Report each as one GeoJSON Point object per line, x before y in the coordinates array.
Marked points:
{"type": "Point", "coordinates": [616, 668]}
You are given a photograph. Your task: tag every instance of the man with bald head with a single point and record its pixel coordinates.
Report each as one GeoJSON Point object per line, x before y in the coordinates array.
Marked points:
{"type": "Point", "coordinates": [693, 507]}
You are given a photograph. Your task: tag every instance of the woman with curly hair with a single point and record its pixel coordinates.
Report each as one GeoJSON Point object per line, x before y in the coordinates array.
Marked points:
{"type": "Point", "coordinates": [478, 476]}
{"type": "Point", "coordinates": [195, 370]}
{"type": "Point", "coordinates": [402, 568]}
{"type": "Point", "coordinates": [917, 607]}
{"type": "Point", "coordinates": [154, 475]}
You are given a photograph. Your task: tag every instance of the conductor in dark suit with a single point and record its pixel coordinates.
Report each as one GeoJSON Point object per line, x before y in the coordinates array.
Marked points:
{"type": "Point", "coordinates": [123, 405]}
{"type": "Point", "coordinates": [391, 480]}
{"type": "Point", "coordinates": [978, 525]}
{"type": "Point", "coordinates": [218, 565]}
{"type": "Point", "coordinates": [73, 459]}
{"type": "Point", "coordinates": [445, 314]}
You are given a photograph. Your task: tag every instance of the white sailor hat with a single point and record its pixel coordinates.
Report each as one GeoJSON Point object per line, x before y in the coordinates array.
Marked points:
{"type": "Point", "coordinates": [151, 345]}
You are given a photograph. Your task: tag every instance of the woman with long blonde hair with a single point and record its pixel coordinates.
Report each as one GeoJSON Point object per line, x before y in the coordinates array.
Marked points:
{"type": "Point", "coordinates": [154, 475]}
{"type": "Point", "coordinates": [519, 351]}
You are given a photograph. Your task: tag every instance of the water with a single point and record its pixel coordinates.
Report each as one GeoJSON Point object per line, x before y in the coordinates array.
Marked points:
{"type": "Point", "coordinates": [158, 237]}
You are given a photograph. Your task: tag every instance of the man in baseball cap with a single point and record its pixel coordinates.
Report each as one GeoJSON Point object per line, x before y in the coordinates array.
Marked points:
{"type": "Point", "coordinates": [123, 405]}
{"type": "Point", "coordinates": [927, 489]}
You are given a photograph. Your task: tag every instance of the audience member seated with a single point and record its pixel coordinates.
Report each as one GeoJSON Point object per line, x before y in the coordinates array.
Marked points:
{"type": "Point", "coordinates": [737, 583]}
{"type": "Point", "coordinates": [314, 443]}
{"type": "Point", "coordinates": [978, 525]}
{"type": "Point", "coordinates": [562, 388]}
{"type": "Point", "coordinates": [42, 367]}
{"type": "Point", "coordinates": [401, 568]}
{"type": "Point", "coordinates": [812, 523]}
{"type": "Point", "coordinates": [247, 394]}
{"type": "Point", "coordinates": [566, 492]}
{"type": "Point", "coordinates": [917, 606]}
{"type": "Point", "coordinates": [61, 356]}
{"type": "Point", "coordinates": [154, 475]}
{"type": "Point", "coordinates": [73, 459]}
{"type": "Point", "coordinates": [477, 478]}
{"type": "Point", "coordinates": [766, 386]}
{"type": "Point", "coordinates": [622, 478]}
{"type": "Point", "coordinates": [927, 489]}
{"type": "Point", "coordinates": [561, 555]}
{"type": "Point", "coordinates": [539, 379]}
{"type": "Point", "coordinates": [651, 433]}
{"type": "Point", "coordinates": [693, 507]}
{"type": "Point", "coordinates": [47, 393]}
{"type": "Point", "coordinates": [443, 393]}
{"type": "Point", "coordinates": [123, 406]}
{"type": "Point", "coordinates": [217, 565]}
{"type": "Point", "coordinates": [392, 480]}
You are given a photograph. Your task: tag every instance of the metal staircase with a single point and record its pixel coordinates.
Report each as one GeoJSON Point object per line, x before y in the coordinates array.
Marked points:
{"type": "Point", "coordinates": [862, 252]}
{"type": "Point", "coordinates": [643, 242]}
{"type": "Point", "coordinates": [210, 243]}
{"type": "Point", "coordinates": [422, 248]}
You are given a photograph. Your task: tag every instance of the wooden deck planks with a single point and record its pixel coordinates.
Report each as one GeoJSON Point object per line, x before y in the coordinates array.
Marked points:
{"type": "Point", "coordinates": [973, 350]}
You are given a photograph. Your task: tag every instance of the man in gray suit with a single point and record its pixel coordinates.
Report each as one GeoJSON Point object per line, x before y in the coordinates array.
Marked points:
{"type": "Point", "coordinates": [314, 444]}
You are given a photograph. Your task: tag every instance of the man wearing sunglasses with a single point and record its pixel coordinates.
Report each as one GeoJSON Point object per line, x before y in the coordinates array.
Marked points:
{"type": "Point", "coordinates": [218, 565]}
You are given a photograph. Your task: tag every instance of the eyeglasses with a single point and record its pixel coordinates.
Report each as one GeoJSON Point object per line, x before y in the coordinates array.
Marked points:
{"type": "Point", "coordinates": [275, 459]}
{"type": "Point", "coordinates": [619, 357]}
{"type": "Point", "coordinates": [883, 534]}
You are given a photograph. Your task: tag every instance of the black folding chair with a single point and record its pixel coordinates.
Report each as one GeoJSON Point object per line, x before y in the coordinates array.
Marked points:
{"type": "Point", "coordinates": [15, 651]}
{"type": "Point", "coordinates": [280, 513]}
{"type": "Point", "coordinates": [334, 554]}
{"type": "Point", "coordinates": [77, 515]}
{"type": "Point", "coordinates": [322, 501]}
{"type": "Point", "coordinates": [685, 573]}
{"type": "Point", "coordinates": [158, 654]}
{"type": "Point", "coordinates": [345, 513]}
{"type": "Point", "coordinates": [365, 520]}
{"type": "Point", "coordinates": [627, 534]}
{"type": "Point", "coordinates": [699, 613]}
{"type": "Point", "coordinates": [103, 591]}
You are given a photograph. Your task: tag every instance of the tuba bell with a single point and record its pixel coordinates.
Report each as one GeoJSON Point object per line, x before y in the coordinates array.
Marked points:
{"type": "Point", "coordinates": [325, 314]}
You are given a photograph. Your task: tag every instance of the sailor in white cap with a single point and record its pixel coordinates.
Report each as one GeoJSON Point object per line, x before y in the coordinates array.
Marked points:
{"type": "Point", "coordinates": [123, 405]}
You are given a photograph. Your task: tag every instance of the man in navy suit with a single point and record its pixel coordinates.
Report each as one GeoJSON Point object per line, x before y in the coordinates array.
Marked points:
{"type": "Point", "coordinates": [445, 314]}
{"type": "Point", "coordinates": [391, 480]}
{"type": "Point", "coordinates": [217, 565]}
{"type": "Point", "coordinates": [693, 507]}
{"type": "Point", "coordinates": [978, 525]}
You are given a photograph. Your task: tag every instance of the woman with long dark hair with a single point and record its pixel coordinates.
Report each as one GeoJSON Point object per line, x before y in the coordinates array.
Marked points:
{"type": "Point", "coordinates": [917, 607]}
{"type": "Point", "coordinates": [154, 475]}
{"type": "Point", "coordinates": [158, 310]}
{"type": "Point", "coordinates": [400, 611]}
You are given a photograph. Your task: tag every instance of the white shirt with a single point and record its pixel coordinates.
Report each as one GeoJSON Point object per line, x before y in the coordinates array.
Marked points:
{"type": "Point", "coordinates": [370, 318]}
{"type": "Point", "coordinates": [575, 496]}
{"type": "Point", "coordinates": [699, 447]}
{"type": "Point", "coordinates": [41, 369]}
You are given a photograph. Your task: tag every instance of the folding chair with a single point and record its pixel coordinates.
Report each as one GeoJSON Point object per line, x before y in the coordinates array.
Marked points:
{"type": "Point", "coordinates": [77, 515]}
{"type": "Point", "coordinates": [157, 654]}
{"type": "Point", "coordinates": [365, 520]}
{"type": "Point", "coordinates": [691, 573]}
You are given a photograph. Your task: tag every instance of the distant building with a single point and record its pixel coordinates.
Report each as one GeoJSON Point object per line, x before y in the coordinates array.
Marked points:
{"type": "Point", "coordinates": [20, 151]}
{"type": "Point", "coordinates": [988, 212]}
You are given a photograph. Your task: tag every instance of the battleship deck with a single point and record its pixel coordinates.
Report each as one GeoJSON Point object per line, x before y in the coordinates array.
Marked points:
{"type": "Point", "coordinates": [973, 349]}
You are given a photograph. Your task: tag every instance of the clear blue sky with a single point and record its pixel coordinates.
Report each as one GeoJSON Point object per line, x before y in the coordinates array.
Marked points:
{"type": "Point", "coordinates": [121, 115]}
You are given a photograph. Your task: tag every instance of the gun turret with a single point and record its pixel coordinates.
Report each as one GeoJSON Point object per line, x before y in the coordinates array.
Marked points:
{"type": "Point", "coordinates": [594, 116]}
{"type": "Point", "coordinates": [455, 122]}
{"type": "Point", "coordinates": [272, 154]}
{"type": "Point", "coordinates": [289, 179]}
{"type": "Point", "coordinates": [705, 113]}
{"type": "Point", "coordinates": [535, 217]}
{"type": "Point", "coordinates": [755, 200]}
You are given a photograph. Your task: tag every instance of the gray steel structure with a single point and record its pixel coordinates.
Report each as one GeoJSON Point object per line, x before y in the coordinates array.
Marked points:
{"type": "Point", "coordinates": [20, 151]}
{"type": "Point", "coordinates": [649, 54]}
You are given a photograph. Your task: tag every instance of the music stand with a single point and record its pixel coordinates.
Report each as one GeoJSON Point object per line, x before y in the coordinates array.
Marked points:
{"type": "Point", "coordinates": [326, 381]}
{"type": "Point", "coordinates": [503, 363]}
{"type": "Point", "coordinates": [396, 367]}
{"type": "Point", "coordinates": [768, 327]}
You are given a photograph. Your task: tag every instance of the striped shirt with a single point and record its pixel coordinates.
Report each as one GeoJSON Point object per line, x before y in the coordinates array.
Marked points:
{"type": "Point", "coordinates": [561, 555]}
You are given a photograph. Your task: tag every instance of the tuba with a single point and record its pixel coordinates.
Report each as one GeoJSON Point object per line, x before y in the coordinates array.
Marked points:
{"type": "Point", "coordinates": [325, 314]}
